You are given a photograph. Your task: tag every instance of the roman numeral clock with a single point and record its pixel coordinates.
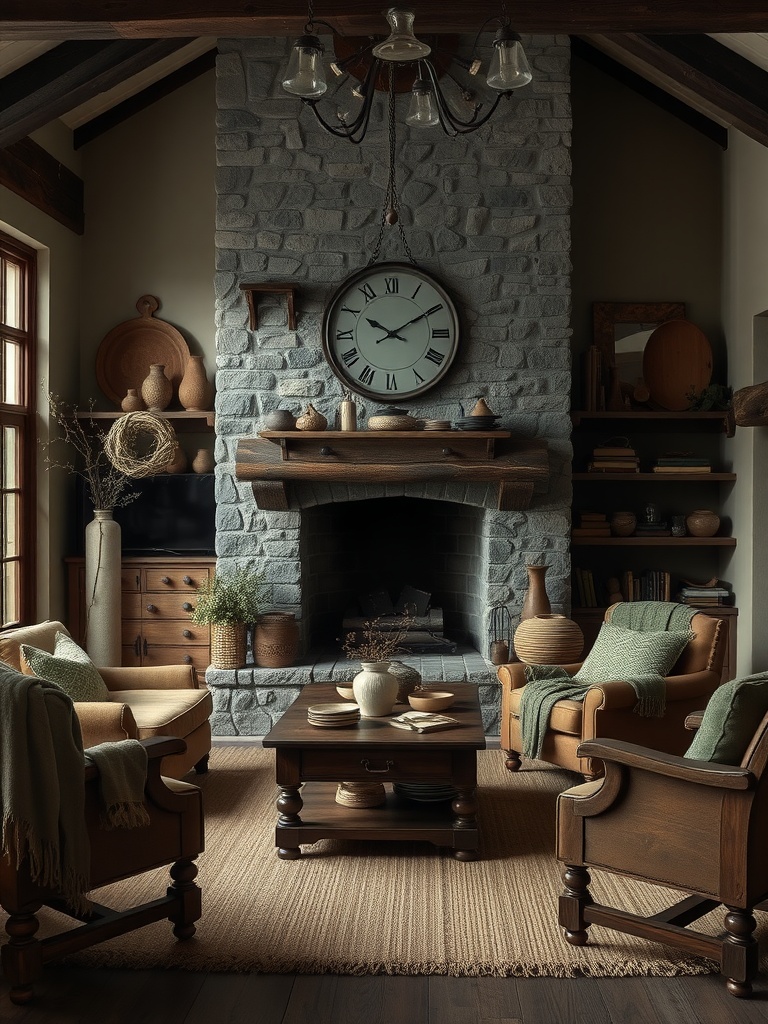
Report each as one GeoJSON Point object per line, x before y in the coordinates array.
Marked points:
{"type": "Point", "coordinates": [390, 332]}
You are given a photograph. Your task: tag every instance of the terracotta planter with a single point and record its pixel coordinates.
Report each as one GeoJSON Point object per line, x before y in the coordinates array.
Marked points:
{"type": "Point", "coordinates": [536, 601]}
{"type": "Point", "coordinates": [276, 640]}
{"type": "Point", "coordinates": [228, 645]}
{"type": "Point", "coordinates": [702, 523]}
{"type": "Point", "coordinates": [548, 640]}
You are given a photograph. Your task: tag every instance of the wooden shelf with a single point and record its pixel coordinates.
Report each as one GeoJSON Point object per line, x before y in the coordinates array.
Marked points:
{"type": "Point", "coordinates": [182, 418]}
{"type": "Point", "coordinates": [719, 420]}
{"type": "Point", "coordinates": [657, 478]}
{"type": "Point", "coordinates": [653, 542]}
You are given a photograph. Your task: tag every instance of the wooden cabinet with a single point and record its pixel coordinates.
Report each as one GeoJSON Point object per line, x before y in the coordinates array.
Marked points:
{"type": "Point", "coordinates": [694, 558]}
{"type": "Point", "coordinates": [157, 596]}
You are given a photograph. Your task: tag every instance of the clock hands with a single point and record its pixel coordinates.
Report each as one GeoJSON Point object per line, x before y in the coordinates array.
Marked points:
{"type": "Point", "coordinates": [421, 316]}
{"type": "Point", "coordinates": [396, 332]}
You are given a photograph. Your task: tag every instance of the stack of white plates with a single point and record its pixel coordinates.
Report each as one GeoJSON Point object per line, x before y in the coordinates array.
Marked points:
{"type": "Point", "coordinates": [424, 793]}
{"type": "Point", "coordinates": [333, 716]}
{"type": "Point", "coordinates": [437, 424]}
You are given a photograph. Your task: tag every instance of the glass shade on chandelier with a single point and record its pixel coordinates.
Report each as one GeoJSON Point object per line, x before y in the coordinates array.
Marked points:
{"type": "Point", "coordinates": [429, 107]}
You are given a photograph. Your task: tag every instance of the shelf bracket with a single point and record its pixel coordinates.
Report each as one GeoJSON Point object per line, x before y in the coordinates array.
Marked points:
{"type": "Point", "coordinates": [270, 288]}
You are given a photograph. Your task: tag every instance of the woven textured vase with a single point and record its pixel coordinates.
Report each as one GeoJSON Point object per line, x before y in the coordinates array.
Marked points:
{"type": "Point", "coordinates": [536, 601]}
{"type": "Point", "coordinates": [156, 389]}
{"type": "Point", "coordinates": [548, 640]}
{"type": "Point", "coordinates": [228, 645]}
{"type": "Point", "coordinates": [276, 640]}
{"type": "Point", "coordinates": [408, 678]}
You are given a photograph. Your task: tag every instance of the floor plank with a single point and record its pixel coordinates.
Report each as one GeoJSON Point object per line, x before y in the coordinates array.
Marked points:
{"type": "Point", "coordinates": [231, 998]}
{"type": "Point", "coordinates": [312, 999]}
{"type": "Point", "coordinates": [630, 1001]}
{"type": "Point", "coordinates": [564, 1000]}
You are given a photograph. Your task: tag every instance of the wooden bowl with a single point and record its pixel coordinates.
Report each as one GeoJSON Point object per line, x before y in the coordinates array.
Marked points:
{"type": "Point", "coordinates": [346, 692]}
{"type": "Point", "coordinates": [432, 700]}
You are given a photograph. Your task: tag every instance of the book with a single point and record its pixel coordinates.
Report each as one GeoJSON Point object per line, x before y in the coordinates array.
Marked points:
{"type": "Point", "coordinates": [682, 469]}
{"type": "Point", "coordinates": [422, 721]}
{"type": "Point", "coordinates": [591, 531]}
{"type": "Point", "coordinates": [596, 517]}
{"type": "Point", "coordinates": [613, 467]}
{"type": "Point", "coordinates": [613, 451]}
{"type": "Point", "coordinates": [681, 460]}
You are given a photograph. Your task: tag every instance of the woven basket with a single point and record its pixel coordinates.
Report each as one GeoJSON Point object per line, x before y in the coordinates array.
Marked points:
{"type": "Point", "coordinates": [228, 645]}
{"type": "Point", "coordinates": [548, 640]}
{"type": "Point", "coordinates": [361, 794]}
{"type": "Point", "coordinates": [276, 640]}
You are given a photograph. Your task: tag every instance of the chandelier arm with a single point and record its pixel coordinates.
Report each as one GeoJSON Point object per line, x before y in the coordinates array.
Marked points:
{"type": "Point", "coordinates": [355, 131]}
{"type": "Point", "coordinates": [451, 124]}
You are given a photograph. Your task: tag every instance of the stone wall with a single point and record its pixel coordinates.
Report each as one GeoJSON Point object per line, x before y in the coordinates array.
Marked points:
{"type": "Point", "coordinates": [487, 213]}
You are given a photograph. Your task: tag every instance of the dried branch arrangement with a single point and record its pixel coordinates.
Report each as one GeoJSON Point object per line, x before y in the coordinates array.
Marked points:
{"type": "Point", "coordinates": [380, 640]}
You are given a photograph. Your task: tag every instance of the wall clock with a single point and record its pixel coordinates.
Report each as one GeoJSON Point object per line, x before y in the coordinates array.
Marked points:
{"type": "Point", "coordinates": [390, 331]}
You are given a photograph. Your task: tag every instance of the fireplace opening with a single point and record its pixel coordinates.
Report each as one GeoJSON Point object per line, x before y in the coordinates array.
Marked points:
{"type": "Point", "coordinates": [353, 549]}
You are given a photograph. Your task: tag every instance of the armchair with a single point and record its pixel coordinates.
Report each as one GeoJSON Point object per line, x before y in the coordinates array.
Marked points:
{"type": "Point", "coordinates": [607, 708]}
{"type": "Point", "coordinates": [693, 825]}
{"type": "Point", "coordinates": [174, 836]}
{"type": "Point", "coordinates": [145, 702]}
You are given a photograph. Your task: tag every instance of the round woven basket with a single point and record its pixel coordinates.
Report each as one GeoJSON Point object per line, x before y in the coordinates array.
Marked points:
{"type": "Point", "coordinates": [361, 794]}
{"type": "Point", "coordinates": [276, 640]}
{"type": "Point", "coordinates": [228, 645]}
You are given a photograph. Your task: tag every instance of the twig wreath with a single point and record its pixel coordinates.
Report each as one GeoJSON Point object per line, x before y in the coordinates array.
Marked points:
{"type": "Point", "coordinates": [140, 444]}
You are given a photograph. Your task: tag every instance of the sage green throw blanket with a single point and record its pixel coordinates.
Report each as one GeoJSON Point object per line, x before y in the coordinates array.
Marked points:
{"type": "Point", "coordinates": [122, 774]}
{"type": "Point", "coordinates": [547, 684]}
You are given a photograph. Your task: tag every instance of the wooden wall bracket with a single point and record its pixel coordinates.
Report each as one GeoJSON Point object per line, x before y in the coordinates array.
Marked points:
{"type": "Point", "coordinates": [270, 288]}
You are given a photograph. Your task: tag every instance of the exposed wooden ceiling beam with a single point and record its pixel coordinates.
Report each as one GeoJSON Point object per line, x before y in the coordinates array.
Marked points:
{"type": "Point", "coordinates": [32, 173]}
{"type": "Point", "coordinates": [145, 19]}
{"type": "Point", "coordinates": [700, 72]}
{"type": "Point", "coordinates": [69, 75]}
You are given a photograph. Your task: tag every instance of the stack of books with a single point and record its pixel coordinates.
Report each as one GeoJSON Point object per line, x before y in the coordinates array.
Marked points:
{"type": "Point", "coordinates": [681, 462]}
{"type": "Point", "coordinates": [713, 593]}
{"type": "Point", "coordinates": [614, 459]}
{"type": "Point", "coordinates": [592, 524]}
{"type": "Point", "coordinates": [585, 588]}
{"type": "Point", "coordinates": [652, 585]}
{"type": "Point", "coordinates": [658, 528]}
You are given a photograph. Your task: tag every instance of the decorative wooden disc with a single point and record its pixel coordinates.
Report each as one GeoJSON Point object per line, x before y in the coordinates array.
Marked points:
{"type": "Point", "coordinates": [677, 361]}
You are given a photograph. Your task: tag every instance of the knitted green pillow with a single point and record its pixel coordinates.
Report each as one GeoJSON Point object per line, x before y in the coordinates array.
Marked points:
{"type": "Point", "coordinates": [730, 720]}
{"type": "Point", "coordinates": [620, 653]}
{"type": "Point", "coordinates": [69, 667]}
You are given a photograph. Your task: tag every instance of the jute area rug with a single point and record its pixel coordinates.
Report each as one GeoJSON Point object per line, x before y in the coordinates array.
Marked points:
{"type": "Point", "coordinates": [397, 908]}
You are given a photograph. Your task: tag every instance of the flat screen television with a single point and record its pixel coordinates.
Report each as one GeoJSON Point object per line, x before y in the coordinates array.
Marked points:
{"type": "Point", "coordinates": [173, 514]}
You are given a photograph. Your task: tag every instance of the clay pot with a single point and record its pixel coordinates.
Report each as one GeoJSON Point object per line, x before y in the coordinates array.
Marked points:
{"type": "Point", "coordinates": [536, 601]}
{"type": "Point", "coordinates": [156, 389]}
{"type": "Point", "coordinates": [280, 419]}
{"type": "Point", "coordinates": [178, 463]}
{"type": "Point", "coordinates": [276, 640]}
{"type": "Point", "coordinates": [311, 420]}
{"type": "Point", "coordinates": [195, 390]}
{"type": "Point", "coordinates": [203, 462]}
{"type": "Point", "coordinates": [702, 523]}
{"type": "Point", "coordinates": [623, 524]}
{"type": "Point", "coordinates": [132, 402]}
{"type": "Point", "coordinates": [548, 640]}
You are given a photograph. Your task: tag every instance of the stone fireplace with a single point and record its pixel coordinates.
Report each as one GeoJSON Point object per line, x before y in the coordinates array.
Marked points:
{"type": "Point", "coordinates": [488, 214]}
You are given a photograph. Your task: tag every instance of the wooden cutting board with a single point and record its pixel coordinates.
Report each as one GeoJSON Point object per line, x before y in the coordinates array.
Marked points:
{"type": "Point", "coordinates": [677, 360]}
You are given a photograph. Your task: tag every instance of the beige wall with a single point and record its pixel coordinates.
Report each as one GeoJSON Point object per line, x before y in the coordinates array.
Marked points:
{"type": "Point", "coordinates": [745, 261]}
{"type": "Point", "coordinates": [150, 221]}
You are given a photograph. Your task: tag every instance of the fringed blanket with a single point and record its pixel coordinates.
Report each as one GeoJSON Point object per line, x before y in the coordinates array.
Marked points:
{"type": "Point", "coordinates": [122, 775]}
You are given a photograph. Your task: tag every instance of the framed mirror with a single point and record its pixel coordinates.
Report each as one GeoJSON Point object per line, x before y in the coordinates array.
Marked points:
{"type": "Point", "coordinates": [621, 330]}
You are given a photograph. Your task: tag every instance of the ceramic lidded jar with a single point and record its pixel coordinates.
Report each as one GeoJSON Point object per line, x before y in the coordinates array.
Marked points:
{"type": "Point", "coordinates": [156, 389]}
{"type": "Point", "coordinates": [195, 390]}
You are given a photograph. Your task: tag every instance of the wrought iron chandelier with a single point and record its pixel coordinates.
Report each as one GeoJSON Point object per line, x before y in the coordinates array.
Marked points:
{"type": "Point", "coordinates": [371, 60]}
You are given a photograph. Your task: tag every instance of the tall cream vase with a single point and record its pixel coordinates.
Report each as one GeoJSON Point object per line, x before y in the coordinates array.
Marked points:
{"type": "Point", "coordinates": [103, 564]}
{"type": "Point", "coordinates": [375, 689]}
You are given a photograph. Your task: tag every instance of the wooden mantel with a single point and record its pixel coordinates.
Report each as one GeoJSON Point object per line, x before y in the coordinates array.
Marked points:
{"type": "Point", "coordinates": [518, 466]}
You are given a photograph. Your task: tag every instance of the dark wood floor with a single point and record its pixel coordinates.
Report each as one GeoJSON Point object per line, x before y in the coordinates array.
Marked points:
{"type": "Point", "coordinates": [80, 996]}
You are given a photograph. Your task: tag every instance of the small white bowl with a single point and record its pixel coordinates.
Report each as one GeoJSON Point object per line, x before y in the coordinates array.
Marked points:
{"type": "Point", "coordinates": [346, 692]}
{"type": "Point", "coordinates": [432, 700]}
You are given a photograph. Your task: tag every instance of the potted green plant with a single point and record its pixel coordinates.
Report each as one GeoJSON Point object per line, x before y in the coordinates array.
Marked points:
{"type": "Point", "coordinates": [229, 602]}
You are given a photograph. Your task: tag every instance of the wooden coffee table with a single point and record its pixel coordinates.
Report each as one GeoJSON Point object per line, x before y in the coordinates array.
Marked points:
{"type": "Point", "coordinates": [375, 751]}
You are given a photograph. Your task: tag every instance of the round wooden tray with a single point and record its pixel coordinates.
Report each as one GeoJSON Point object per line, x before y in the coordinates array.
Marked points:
{"type": "Point", "coordinates": [677, 360]}
{"type": "Point", "coordinates": [128, 350]}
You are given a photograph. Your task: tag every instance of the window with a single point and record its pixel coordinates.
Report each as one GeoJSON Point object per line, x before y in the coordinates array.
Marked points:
{"type": "Point", "coordinates": [17, 423]}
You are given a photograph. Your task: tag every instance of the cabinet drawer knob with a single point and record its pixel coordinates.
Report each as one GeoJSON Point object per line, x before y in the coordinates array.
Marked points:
{"type": "Point", "coordinates": [325, 450]}
{"type": "Point", "coordinates": [188, 607]}
{"type": "Point", "coordinates": [151, 607]}
{"type": "Point", "coordinates": [187, 580]}
{"type": "Point", "coordinates": [166, 580]}
{"type": "Point", "coordinates": [187, 659]}
{"type": "Point", "coordinates": [447, 451]}
{"type": "Point", "coordinates": [187, 634]}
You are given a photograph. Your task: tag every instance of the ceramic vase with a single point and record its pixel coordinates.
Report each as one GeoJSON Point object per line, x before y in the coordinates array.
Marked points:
{"type": "Point", "coordinates": [536, 601]}
{"type": "Point", "coordinates": [178, 463]}
{"type": "Point", "coordinates": [195, 390]}
{"type": "Point", "coordinates": [702, 523]}
{"type": "Point", "coordinates": [103, 624]}
{"type": "Point", "coordinates": [623, 524]}
{"type": "Point", "coordinates": [156, 389]}
{"type": "Point", "coordinates": [132, 402]}
{"type": "Point", "coordinates": [408, 678]}
{"type": "Point", "coordinates": [276, 640]}
{"type": "Point", "coordinates": [548, 640]}
{"type": "Point", "coordinates": [311, 420]}
{"type": "Point", "coordinates": [375, 689]}
{"type": "Point", "coordinates": [280, 419]}
{"type": "Point", "coordinates": [228, 644]}
{"type": "Point", "coordinates": [203, 462]}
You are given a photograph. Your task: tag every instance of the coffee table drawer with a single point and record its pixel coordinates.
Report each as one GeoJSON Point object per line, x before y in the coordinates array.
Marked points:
{"type": "Point", "coordinates": [374, 764]}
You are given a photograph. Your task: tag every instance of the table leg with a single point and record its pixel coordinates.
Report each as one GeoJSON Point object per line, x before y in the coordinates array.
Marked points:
{"type": "Point", "coordinates": [464, 807]}
{"type": "Point", "coordinates": [289, 804]}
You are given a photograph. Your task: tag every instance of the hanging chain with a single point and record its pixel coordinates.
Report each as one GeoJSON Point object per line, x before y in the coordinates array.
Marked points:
{"type": "Point", "coordinates": [390, 212]}
{"type": "Point", "coordinates": [309, 28]}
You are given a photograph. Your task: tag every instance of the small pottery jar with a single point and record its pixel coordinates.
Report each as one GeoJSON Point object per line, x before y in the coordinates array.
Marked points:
{"type": "Point", "coordinates": [276, 640]}
{"type": "Point", "coordinates": [156, 389]}
{"type": "Point", "coordinates": [702, 523]}
{"type": "Point", "coordinates": [195, 390]}
{"type": "Point", "coordinates": [548, 640]}
{"type": "Point", "coordinates": [375, 689]}
{"type": "Point", "coordinates": [499, 652]}
{"type": "Point", "coordinates": [178, 463]}
{"type": "Point", "coordinates": [536, 601]}
{"type": "Point", "coordinates": [623, 524]}
{"type": "Point", "coordinates": [311, 420]}
{"type": "Point", "coordinates": [132, 402]}
{"type": "Point", "coordinates": [280, 419]}
{"type": "Point", "coordinates": [408, 678]}
{"type": "Point", "coordinates": [203, 462]}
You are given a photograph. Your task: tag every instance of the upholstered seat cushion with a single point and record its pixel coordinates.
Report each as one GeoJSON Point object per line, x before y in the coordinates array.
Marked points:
{"type": "Point", "coordinates": [168, 712]}
{"type": "Point", "coordinates": [565, 716]}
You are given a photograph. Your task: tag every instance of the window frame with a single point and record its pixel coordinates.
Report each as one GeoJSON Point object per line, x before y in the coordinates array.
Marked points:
{"type": "Point", "coordinates": [22, 417]}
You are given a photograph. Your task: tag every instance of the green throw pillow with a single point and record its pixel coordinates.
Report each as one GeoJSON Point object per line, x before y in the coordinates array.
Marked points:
{"type": "Point", "coordinates": [620, 653]}
{"type": "Point", "coordinates": [69, 667]}
{"type": "Point", "coordinates": [730, 720]}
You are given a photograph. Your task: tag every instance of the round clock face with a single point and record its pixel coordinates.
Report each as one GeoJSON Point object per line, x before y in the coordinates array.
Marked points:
{"type": "Point", "coordinates": [390, 332]}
